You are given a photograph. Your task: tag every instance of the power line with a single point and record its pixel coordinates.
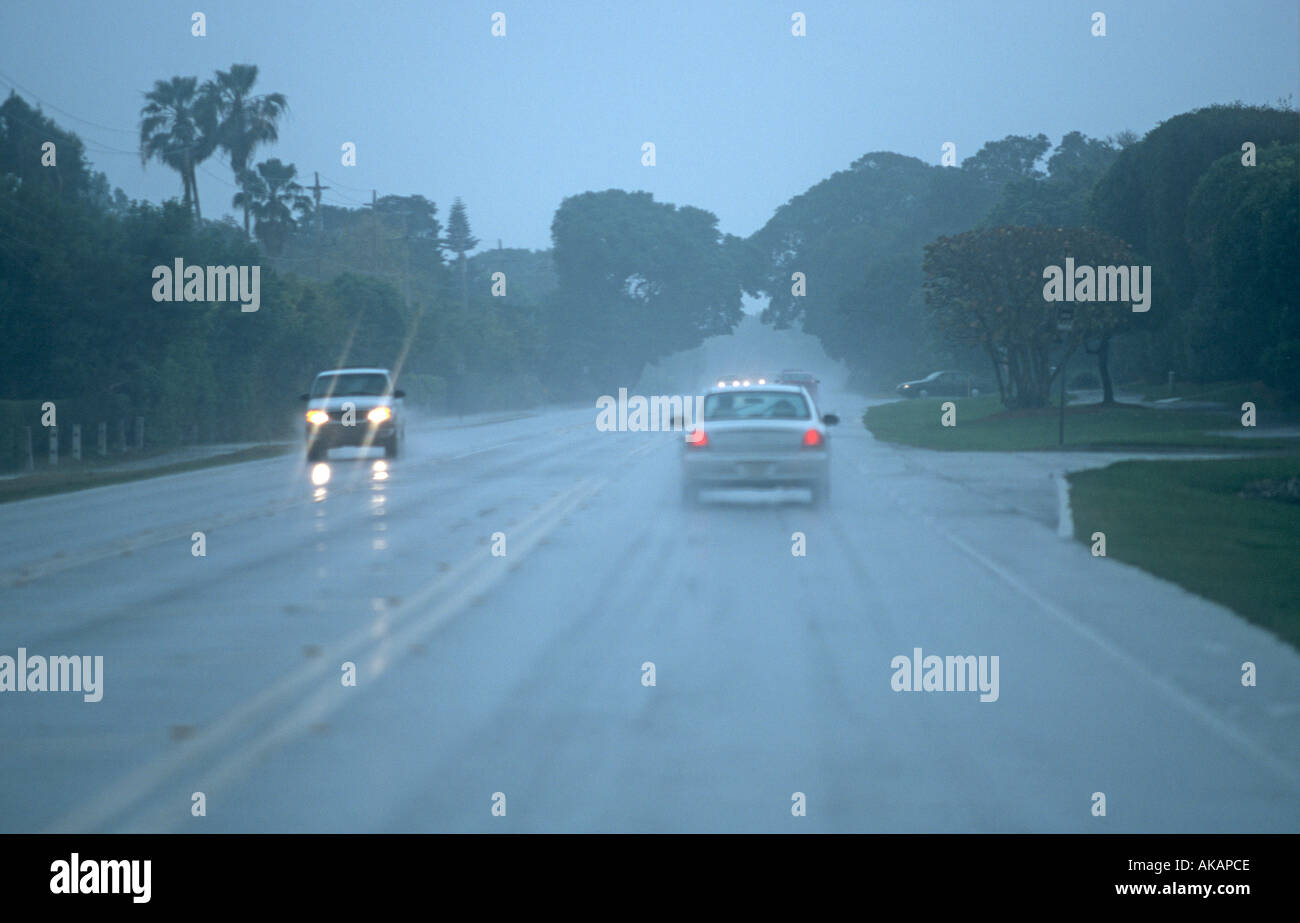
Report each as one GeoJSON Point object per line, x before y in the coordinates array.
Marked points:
{"type": "Point", "coordinates": [16, 85]}
{"type": "Point", "coordinates": [345, 185]}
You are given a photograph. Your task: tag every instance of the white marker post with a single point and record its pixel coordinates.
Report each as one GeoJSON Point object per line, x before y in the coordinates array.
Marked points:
{"type": "Point", "coordinates": [1064, 324]}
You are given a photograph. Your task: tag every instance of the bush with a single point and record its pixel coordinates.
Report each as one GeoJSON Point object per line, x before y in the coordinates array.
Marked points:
{"type": "Point", "coordinates": [1280, 365]}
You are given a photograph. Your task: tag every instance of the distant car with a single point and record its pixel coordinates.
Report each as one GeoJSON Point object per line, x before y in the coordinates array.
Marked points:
{"type": "Point", "coordinates": [758, 437]}
{"type": "Point", "coordinates": [941, 384]}
{"type": "Point", "coordinates": [806, 380]}
{"type": "Point", "coordinates": [354, 407]}
{"type": "Point", "coordinates": [740, 381]}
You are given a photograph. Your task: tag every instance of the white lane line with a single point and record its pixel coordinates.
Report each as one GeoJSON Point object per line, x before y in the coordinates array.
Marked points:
{"type": "Point", "coordinates": [372, 663]}
{"type": "Point", "coordinates": [127, 791]}
{"type": "Point", "coordinates": [1172, 692]}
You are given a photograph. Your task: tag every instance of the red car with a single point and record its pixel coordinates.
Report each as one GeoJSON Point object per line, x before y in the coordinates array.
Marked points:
{"type": "Point", "coordinates": [806, 380]}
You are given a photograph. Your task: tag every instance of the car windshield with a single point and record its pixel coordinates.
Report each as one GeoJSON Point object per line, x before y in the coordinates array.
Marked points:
{"type": "Point", "coordinates": [350, 384]}
{"type": "Point", "coordinates": [756, 405]}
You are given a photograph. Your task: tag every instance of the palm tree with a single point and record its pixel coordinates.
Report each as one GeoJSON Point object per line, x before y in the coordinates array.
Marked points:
{"type": "Point", "coordinates": [177, 128]}
{"type": "Point", "coordinates": [244, 120]}
{"type": "Point", "coordinates": [273, 197]}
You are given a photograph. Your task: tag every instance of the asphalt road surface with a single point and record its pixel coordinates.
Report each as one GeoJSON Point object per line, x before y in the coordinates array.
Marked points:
{"type": "Point", "coordinates": [520, 680]}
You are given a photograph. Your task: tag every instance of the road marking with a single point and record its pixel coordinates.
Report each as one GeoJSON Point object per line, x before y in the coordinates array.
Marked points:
{"type": "Point", "coordinates": [474, 574]}
{"type": "Point", "coordinates": [1171, 691]}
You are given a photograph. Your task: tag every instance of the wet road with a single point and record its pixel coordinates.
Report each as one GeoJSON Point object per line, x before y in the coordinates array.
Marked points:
{"type": "Point", "coordinates": [520, 679]}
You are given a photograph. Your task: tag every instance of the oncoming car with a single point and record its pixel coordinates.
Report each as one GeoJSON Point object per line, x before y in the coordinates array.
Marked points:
{"type": "Point", "coordinates": [758, 437]}
{"type": "Point", "coordinates": [354, 407]}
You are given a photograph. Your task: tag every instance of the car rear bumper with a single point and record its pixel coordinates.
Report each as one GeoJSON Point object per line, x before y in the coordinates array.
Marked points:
{"type": "Point", "coordinates": [754, 471]}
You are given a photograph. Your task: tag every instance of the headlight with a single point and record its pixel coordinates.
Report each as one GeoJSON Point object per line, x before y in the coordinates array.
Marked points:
{"type": "Point", "coordinates": [379, 414]}
{"type": "Point", "coordinates": [722, 384]}
{"type": "Point", "coordinates": [317, 417]}
{"type": "Point", "coordinates": [762, 381]}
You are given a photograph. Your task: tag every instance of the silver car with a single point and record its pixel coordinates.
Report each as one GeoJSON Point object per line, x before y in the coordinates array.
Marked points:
{"type": "Point", "coordinates": [769, 436]}
{"type": "Point", "coordinates": [354, 407]}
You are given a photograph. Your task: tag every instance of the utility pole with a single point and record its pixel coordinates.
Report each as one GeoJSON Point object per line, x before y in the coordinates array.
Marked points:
{"type": "Point", "coordinates": [374, 231]}
{"type": "Point", "coordinates": [316, 189]}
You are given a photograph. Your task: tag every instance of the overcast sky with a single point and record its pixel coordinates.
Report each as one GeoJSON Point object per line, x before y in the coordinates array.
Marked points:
{"type": "Point", "coordinates": [743, 115]}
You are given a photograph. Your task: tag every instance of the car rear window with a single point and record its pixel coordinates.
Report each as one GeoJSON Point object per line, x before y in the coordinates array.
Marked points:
{"type": "Point", "coordinates": [756, 405]}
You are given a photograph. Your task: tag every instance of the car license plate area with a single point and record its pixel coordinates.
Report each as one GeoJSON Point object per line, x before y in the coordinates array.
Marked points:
{"type": "Point", "coordinates": [754, 469]}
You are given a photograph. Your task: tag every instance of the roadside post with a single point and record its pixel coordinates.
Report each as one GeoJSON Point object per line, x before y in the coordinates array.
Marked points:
{"type": "Point", "coordinates": [1064, 325]}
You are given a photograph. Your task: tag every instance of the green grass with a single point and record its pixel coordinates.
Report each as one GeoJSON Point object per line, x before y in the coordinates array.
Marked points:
{"type": "Point", "coordinates": [44, 483]}
{"type": "Point", "coordinates": [983, 425]}
{"type": "Point", "coordinates": [1231, 393]}
{"type": "Point", "coordinates": [1186, 521]}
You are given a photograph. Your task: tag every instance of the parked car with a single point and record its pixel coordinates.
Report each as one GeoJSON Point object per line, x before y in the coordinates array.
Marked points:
{"type": "Point", "coordinates": [941, 384]}
{"type": "Point", "coordinates": [354, 407]}
{"type": "Point", "coordinates": [758, 437]}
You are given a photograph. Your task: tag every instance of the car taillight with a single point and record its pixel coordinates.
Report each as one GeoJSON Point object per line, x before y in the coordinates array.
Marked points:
{"type": "Point", "coordinates": [697, 439]}
{"type": "Point", "coordinates": [812, 439]}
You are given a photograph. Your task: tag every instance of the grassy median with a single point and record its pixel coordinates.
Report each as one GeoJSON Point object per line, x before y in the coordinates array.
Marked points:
{"type": "Point", "coordinates": [984, 425]}
{"type": "Point", "coordinates": [1228, 530]}
{"type": "Point", "coordinates": [43, 483]}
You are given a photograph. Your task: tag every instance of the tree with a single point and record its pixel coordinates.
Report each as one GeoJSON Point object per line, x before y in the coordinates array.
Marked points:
{"type": "Point", "coordinates": [1014, 157]}
{"type": "Point", "coordinates": [274, 198]}
{"type": "Point", "coordinates": [636, 280]}
{"type": "Point", "coordinates": [1242, 228]}
{"type": "Point", "coordinates": [244, 121]}
{"type": "Point", "coordinates": [1059, 198]}
{"type": "Point", "coordinates": [179, 130]}
{"type": "Point", "coordinates": [460, 242]}
{"type": "Point", "coordinates": [1143, 199]}
{"type": "Point", "coordinates": [857, 237]}
{"type": "Point", "coordinates": [985, 288]}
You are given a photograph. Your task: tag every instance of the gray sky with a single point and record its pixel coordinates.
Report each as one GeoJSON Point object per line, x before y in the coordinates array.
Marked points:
{"type": "Point", "coordinates": [743, 115]}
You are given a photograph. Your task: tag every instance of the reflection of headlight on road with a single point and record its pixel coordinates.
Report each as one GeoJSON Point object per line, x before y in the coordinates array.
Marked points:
{"type": "Point", "coordinates": [379, 414]}
{"type": "Point", "coordinates": [317, 417]}
{"type": "Point", "coordinates": [320, 474]}
{"type": "Point", "coordinates": [379, 470]}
